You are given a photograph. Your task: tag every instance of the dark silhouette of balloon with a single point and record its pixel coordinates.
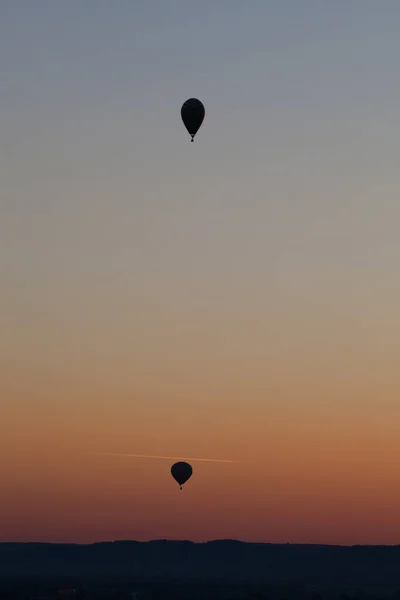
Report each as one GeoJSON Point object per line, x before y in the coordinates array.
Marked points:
{"type": "Point", "coordinates": [192, 113]}
{"type": "Point", "coordinates": [181, 472]}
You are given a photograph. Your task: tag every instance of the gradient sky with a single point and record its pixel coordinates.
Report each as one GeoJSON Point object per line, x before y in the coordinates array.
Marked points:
{"type": "Point", "coordinates": [236, 298]}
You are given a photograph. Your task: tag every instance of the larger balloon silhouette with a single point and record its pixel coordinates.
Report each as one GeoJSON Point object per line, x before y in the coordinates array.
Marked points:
{"type": "Point", "coordinates": [192, 113]}
{"type": "Point", "coordinates": [181, 472]}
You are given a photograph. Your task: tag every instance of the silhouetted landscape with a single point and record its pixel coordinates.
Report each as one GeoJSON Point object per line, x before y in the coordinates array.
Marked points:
{"type": "Point", "coordinates": [183, 569]}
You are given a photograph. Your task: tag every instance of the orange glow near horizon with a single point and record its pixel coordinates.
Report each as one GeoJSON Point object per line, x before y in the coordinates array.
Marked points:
{"type": "Point", "coordinates": [300, 480]}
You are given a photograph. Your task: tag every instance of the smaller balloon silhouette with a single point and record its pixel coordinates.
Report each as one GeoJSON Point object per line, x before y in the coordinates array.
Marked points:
{"type": "Point", "coordinates": [181, 472]}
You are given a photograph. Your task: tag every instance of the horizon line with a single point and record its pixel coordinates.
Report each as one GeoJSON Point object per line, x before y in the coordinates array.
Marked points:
{"type": "Point", "coordinates": [207, 541]}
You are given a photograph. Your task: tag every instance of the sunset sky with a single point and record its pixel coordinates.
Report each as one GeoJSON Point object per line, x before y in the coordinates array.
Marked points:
{"type": "Point", "coordinates": [234, 299]}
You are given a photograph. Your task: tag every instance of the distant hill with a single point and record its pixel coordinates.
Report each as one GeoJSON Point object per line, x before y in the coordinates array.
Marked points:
{"type": "Point", "coordinates": [225, 562]}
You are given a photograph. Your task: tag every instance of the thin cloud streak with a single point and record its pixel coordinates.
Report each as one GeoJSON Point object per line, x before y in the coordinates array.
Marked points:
{"type": "Point", "coordinates": [215, 460]}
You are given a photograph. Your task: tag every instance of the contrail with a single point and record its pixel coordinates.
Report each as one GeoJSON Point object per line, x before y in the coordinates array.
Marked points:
{"type": "Point", "coordinates": [169, 457]}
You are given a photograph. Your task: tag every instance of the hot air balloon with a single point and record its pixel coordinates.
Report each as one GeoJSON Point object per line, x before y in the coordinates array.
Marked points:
{"type": "Point", "coordinates": [181, 472]}
{"type": "Point", "coordinates": [192, 113]}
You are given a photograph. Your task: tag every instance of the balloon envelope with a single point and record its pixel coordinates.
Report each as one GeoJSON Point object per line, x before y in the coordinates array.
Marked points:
{"type": "Point", "coordinates": [192, 113]}
{"type": "Point", "coordinates": [181, 472]}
